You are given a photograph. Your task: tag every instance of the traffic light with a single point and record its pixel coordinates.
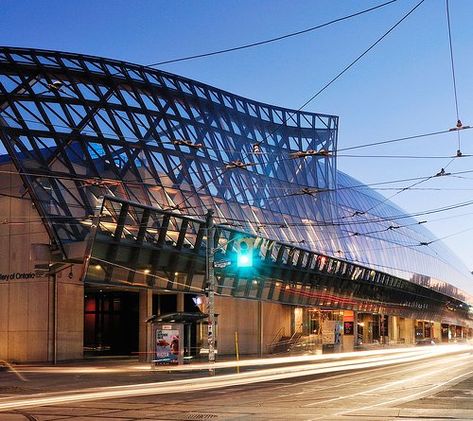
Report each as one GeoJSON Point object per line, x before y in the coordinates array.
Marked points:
{"type": "Point", "coordinates": [244, 249]}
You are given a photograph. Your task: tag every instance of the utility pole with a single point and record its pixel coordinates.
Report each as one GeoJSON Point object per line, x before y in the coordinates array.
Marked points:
{"type": "Point", "coordinates": [210, 281]}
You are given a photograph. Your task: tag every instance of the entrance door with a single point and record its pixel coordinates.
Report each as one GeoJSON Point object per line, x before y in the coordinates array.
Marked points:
{"type": "Point", "coordinates": [110, 323]}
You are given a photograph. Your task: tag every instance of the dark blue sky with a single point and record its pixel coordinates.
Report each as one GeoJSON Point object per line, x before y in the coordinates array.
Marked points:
{"type": "Point", "coordinates": [402, 87]}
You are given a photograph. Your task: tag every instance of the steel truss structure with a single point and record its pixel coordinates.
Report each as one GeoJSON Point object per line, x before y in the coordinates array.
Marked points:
{"type": "Point", "coordinates": [79, 128]}
{"type": "Point", "coordinates": [108, 127]}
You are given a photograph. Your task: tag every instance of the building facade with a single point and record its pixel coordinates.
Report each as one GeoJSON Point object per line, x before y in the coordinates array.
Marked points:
{"type": "Point", "coordinates": [108, 170]}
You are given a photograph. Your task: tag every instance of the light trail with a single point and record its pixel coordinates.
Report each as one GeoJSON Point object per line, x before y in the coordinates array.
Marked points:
{"type": "Point", "coordinates": [13, 370]}
{"type": "Point", "coordinates": [229, 380]}
{"type": "Point", "coordinates": [302, 358]}
{"type": "Point", "coordinates": [226, 364]}
{"type": "Point", "coordinates": [428, 389]}
{"type": "Point", "coordinates": [390, 385]}
{"type": "Point", "coordinates": [324, 387]}
{"type": "Point", "coordinates": [411, 396]}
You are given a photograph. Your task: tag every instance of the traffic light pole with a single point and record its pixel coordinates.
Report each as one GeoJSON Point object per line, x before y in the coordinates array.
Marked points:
{"type": "Point", "coordinates": [210, 282]}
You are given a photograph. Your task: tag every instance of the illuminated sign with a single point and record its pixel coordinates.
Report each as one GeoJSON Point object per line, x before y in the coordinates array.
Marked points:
{"type": "Point", "coordinates": [168, 343]}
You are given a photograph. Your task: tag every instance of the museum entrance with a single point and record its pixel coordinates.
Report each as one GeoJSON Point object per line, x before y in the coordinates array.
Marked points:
{"type": "Point", "coordinates": [110, 322]}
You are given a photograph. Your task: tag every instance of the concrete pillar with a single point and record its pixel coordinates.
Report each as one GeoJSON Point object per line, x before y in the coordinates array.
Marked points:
{"type": "Point", "coordinates": [260, 329]}
{"type": "Point", "coordinates": [145, 311]}
{"type": "Point", "coordinates": [437, 332]}
{"type": "Point", "coordinates": [408, 330]}
{"type": "Point", "coordinates": [52, 319]}
{"type": "Point", "coordinates": [180, 302]}
{"type": "Point", "coordinates": [355, 328]}
{"type": "Point", "coordinates": [393, 328]}
{"type": "Point", "coordinates": [382, 328]}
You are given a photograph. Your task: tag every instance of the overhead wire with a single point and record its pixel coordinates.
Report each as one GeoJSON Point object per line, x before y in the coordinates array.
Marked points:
{"type": "Point", "coordinates": [458, 125]}
{"type": "Point", "coordinates": [343, 71]}
{"type": "Point", "coordinates": [371, 144]}
{"type": "Point", "coordinates": [416, 183]}
{"type": "Point", "coordinates": [399, 139]}
{"type": "Point", "coordinates": [402, 156]}
{"type": "Point", "coordinates": [356, 61]}
{"type": "Point", "coordinates": [85, 179]}
{"type": "Point", "coordinates": [452, 66]}
{"type": "Point", "coordinates": [270, 40]}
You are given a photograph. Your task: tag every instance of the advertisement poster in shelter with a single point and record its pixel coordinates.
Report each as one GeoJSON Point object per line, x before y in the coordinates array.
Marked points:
{"type": "Point", "coordinates": [168, 344]}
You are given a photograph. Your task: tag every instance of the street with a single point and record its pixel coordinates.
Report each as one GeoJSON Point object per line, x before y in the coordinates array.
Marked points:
{"type": "Point", "coordinates": [412, 385]}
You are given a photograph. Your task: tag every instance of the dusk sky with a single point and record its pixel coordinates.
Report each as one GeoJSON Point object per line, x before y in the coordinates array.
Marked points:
{"type": "Point", "coordinates": [402, 87]}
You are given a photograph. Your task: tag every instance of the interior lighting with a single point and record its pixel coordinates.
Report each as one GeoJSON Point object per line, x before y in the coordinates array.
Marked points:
{"type": "Point", "coordinates": [146, 271]}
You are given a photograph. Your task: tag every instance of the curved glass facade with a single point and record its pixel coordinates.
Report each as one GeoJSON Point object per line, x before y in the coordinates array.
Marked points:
{"type": "Point", "coordinates": [79, 128]}
{"type": "Point", "coordinates": [378, 233]}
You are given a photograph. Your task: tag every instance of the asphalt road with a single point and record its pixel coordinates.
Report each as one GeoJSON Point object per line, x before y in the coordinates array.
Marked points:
{"type": "Point", "coordinates": [434, 387]}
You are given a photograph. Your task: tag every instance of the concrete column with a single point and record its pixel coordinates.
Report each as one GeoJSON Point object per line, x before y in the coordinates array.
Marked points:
{"type": "Point", "coordinates": [260, 329]}
{"type": "Point", "coordinates": [393, 328]}
{"type": "Point", "coordinates": [408, 330]}
{"type": "Point", "coordinates": [52, 319]}
{"type": "Point", "coordinates": [436, 331]}
{"type": "Point", "coordinates": [69, 317]}
{"type": "Point", "coordinates": [145, 311]}
{"type": "Point", "coordinates": [180, 302]}
{"type": "Point", "coordinates": [411, 331]}
{"type": "Point", "coordinates": [355, 328]}
{"type": "Point", "coordinates": [382, 328]}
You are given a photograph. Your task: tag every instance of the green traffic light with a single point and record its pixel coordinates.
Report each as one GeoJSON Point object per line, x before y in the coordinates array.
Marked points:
{"type": "Point", "coordinates": [244, 260]}
{"type": "Point", "coordinates": [244, 255]}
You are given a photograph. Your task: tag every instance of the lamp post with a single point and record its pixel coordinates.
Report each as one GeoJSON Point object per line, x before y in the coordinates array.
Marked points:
{"type": "Point", "coordinates": [210, 283]}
